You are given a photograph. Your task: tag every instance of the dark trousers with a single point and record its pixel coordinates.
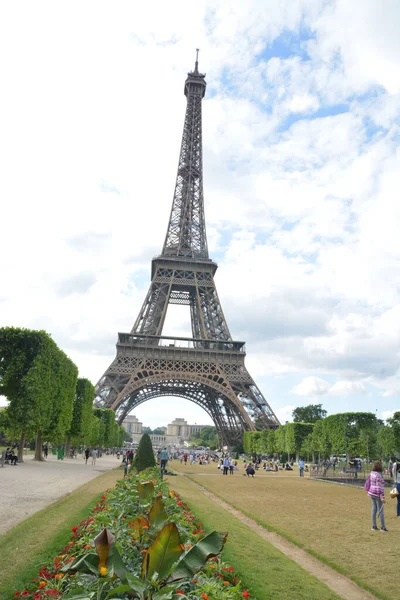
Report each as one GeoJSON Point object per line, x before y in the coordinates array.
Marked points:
{"type": "Point", "coordinates": [398, 499]}
{"type": "Point", "coordinates": [225, 471]}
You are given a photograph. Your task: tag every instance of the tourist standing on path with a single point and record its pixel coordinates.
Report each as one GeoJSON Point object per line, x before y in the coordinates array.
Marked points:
{"type": "Point", "coordinates": [396, 477]}
{"type": "Point", "coordinates": [225, 464]}
{"type": "Point", "coordinates": [300, 464]}
{"type": "Point", "coordinates": [163, 457]}
{"type": "Point", "coordinates": [87, 454]}
{"type": "Point", "coordinates": [231, 466]}
{"type": "Point", "coordinates": [94, 456]}
{"type": "Point", "coordinates": [375, 487]}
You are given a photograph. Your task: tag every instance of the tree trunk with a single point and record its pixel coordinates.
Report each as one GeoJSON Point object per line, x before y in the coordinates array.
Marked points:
{"type": "Point", "coordinates": [21, 447]}
{"type": "Point", "coordinates": [313, 458]}
{"type": "Point", "coordinates": [67, 447]}
{"type": "Point", "coordinates": [38, 446]}
{"type": "Point", "coordinates": [297, 456]}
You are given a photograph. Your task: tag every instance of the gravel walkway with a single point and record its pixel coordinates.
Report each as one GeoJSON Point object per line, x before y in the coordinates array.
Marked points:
{"type": "Point", "coordinates": [31, 486]}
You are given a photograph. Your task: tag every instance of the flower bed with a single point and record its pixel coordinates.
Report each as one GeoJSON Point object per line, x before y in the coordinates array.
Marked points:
{"type": "Point", "coordinates": [141, 541]}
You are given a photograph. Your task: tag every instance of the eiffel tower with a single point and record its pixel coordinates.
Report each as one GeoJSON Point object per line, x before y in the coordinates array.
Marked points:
{"type": "Point", "coordinates": [208, 368]}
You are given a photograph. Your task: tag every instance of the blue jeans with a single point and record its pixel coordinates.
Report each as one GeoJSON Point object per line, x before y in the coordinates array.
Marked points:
{"type": "Point", "coordinates": [301, 471]}
{"type": "Point", "coordinates": [377, 507]}
{"type": "Point", "coordinates": [398, 499]}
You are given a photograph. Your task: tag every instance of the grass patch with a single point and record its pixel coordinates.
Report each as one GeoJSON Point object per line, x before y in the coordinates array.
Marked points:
{"type": "Point", "coordinates": [330, 522]}
{"type": "Point", "coordinates": [265, 572]}
{"type": "Point", "coordinates": [37, 540]}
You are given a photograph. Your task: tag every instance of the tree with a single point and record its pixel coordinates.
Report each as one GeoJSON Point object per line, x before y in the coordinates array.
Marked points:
{"type": "Point", "coordinates": [280, 439]}
{"type": "Point", "coordinates": [394, 422]}
{"type": "Point", "coordinates": [80, 428]}
{"type": "Point", "coordinates": [352, 433]}
{"type": "Point", "coordinates": [39, 381]}
{"type": "Point", "coordinates": [144, 457]}
{"type": "Point", "coordinates": [319, 440]}
{"type": "Point", "coordinates": [385, 440]}
{"type": "Point", "coordinates": [65, 378]}
{"type": "Point", "coordinates": [158, 431]}
{"type": "Point", "coordinates": [295, 436]}
{"type": "Point", "coordinates": [309, 414]}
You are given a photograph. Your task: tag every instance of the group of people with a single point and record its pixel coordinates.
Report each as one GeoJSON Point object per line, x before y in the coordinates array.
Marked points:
{"type": "Point", "coordinates": [227, 464]}
{"type": "Point", "coordinates": [375, 487]}
{"type": "Point", "coordinates": [93, 453]}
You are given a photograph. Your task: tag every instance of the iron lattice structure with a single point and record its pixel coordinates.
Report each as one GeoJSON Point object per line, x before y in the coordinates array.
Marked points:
{"type": "Point", "coordinates": [208, 368]}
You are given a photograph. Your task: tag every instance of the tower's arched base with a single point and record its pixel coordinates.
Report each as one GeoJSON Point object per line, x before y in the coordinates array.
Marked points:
{"type": "Point", "coordinates": [212, 375]}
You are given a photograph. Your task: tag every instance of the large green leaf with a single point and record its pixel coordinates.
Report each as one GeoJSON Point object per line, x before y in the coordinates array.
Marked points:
{"type": "Point", "coordinates": [133, 584]}
{"type": "Point", "coordinates": [157, 515]}
{"type": "Point", "coordinates": [116, 562]}
{"type": "Point", "coordinates": [146, 491]}
{"type": "Point", "coordinates": [86, 563]}
{"type": "Point", "coordinates": [163, 552]}
{"type": "Point", "coordinates": [196, 558]}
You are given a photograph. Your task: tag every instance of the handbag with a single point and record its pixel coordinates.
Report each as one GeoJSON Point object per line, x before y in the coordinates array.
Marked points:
{"type": "Point", "coordinates": [394, 493]}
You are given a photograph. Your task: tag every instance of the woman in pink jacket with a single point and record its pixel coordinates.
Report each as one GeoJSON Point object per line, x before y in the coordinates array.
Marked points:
{"type": "Point", "coordinates": [375, 487]}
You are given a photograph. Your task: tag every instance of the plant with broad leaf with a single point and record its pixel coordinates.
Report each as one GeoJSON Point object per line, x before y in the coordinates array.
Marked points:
{"type": "Point", "coordinates": [166, 564]}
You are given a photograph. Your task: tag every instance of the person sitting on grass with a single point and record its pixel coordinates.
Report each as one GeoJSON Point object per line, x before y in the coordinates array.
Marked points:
{"type": "Point", "coordinates": [250, 470]}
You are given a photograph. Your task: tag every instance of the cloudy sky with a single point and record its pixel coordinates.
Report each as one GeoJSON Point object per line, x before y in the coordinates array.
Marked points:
{"type": "Point", "coordinates": [301, 130]}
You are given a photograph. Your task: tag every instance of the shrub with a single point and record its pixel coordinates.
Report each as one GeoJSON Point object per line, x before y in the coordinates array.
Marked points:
{"type": "Point", "coordinates": [144, 456]}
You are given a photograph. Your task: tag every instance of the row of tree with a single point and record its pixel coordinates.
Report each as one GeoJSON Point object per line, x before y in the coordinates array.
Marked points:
{"type": "Point", "coordinates": [358, 434]}
{"type": "Point", "coordinates": [47, 401]}
{"type": "Point", "coordinates": [207, 437]}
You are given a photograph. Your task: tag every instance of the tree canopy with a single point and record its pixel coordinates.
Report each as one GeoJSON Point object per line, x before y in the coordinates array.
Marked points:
{"type": "Point", "coordinates": [309, 414]}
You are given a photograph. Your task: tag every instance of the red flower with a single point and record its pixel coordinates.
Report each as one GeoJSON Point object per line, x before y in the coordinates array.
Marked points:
{"type": "Point", "coordinates": [74, 528]}
{"type": "Point", "coordinates": [204, 596]}
{"type": "Point", "coordinates": [179, 592]}
{"type": "Point", "coordinates": [17, 594]}
{"type": "Point", "coordinates": [26, 593]}
{"type": "Point", "coordinates": [246, 594]}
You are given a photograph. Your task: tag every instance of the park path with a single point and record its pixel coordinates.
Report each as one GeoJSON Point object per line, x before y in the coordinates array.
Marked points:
{"type": "Point", "coordinates": [340, 584]}
{"type": "Point", "coordinates": [31, 485]}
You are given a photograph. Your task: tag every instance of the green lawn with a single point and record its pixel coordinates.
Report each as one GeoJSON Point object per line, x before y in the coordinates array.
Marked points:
{"type": "Point", "coordinates": [330, 521]}
{"type": "Point", "coordinates": [265, 572]}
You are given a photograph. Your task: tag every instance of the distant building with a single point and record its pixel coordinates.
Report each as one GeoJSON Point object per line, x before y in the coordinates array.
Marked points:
{"type": "Point", "coordinates": [177, 432]}
{"type": "Point", "coordinates": [131, 424]}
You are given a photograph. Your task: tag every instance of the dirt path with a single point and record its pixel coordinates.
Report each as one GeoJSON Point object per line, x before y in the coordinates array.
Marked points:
{"type": "Point", "coordinates": [31, 485]}
{"type": "Point", "coordinates": [340, 584]}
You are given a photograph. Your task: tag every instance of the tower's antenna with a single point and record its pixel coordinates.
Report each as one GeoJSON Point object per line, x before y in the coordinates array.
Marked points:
{"type": "Point", "coordinates": [196, 64]}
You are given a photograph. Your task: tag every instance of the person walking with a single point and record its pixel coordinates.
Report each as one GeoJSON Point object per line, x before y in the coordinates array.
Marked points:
{"type": "Point", "coordinates": [163, 457]}
{"type": "Point", "coordinates": [94, 456]}
{"type": "Point", "coordinates": [87, 454]}
{"type": "Point", "coordinates": [396, 478]}
{"type": "Point", "coordinates": [375, 486]}
{"type": "Point", "coordinates": [225, 464]}
{"type": "Point", "coordinates": [300, 464]}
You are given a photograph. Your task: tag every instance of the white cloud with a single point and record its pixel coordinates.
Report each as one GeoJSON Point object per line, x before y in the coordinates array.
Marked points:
{"type": "Point", "coordinates": [348, 388]}
{"type": "Point", "coordinates": [284, 413]}
{"type": "Point", "coordinates": [303, 219]}
{"type": "Point", "coordinates": [311, 386]}
{"type": "Point", "coordinates": [388, 414]}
